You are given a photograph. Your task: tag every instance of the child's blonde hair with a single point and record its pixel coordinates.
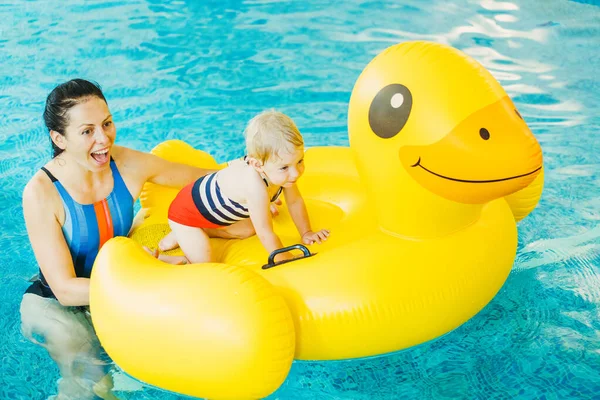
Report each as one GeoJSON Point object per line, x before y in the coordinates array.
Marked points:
{"type": "Point", "coordinates": [269, 133]}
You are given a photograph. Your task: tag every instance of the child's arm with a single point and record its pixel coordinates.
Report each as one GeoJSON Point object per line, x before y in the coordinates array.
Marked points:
{"type": "Point", "coordinates": [297, 209]}
{"type": "Point", "coordinates": [260, 215]}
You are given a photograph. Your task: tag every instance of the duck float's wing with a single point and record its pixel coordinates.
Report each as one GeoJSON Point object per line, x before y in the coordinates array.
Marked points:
{"type": "Point", "coordinates": [212, 330]}
{"type": "Point", "coordinates": [525, 200]}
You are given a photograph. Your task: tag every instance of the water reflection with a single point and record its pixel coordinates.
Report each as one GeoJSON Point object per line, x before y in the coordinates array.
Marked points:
{"type": "Point", "coordinates": [505, 18]}
{"type": "Point", "coordinates": [498, 5]}
{"type": "Point", "coordinates": [549, 251]}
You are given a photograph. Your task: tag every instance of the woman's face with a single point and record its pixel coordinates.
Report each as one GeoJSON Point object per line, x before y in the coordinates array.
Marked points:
{"type": "Point", "coordinates": [90, 134]}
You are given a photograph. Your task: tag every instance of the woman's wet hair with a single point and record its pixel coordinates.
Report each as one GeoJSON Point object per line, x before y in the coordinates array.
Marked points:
{"type": "Point", "coordinates": [61, 99]}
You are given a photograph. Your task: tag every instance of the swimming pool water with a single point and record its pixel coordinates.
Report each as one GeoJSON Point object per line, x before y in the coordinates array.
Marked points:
{"type": "Point", "coordinates": [198, 71]}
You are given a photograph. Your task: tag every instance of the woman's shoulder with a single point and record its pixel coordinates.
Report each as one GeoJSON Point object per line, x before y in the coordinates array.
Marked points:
{"type": "Point", "coordinates": [39, 182]}
{"type": "Point", "coordinates": [124, 155]}
{"type": "Point", "coordinates": [40, 188]}
{"type": "Point", "coordinates": [133, 159]}
{"type": "Point", "coordinates": [130, 162]}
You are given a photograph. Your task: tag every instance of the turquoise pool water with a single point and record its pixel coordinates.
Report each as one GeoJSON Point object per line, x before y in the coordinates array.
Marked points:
{"type": "Point", "coordinates": [198, 71]}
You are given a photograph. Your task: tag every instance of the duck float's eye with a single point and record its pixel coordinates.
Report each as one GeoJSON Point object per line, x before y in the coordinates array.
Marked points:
{"type": "Point", "coordinates": [484, 133]}
{"type": "Point", "coordinates": [390, 110]}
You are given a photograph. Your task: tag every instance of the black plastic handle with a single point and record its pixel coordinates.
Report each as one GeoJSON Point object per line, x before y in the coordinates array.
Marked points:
{"type": "Point", "coordinates": [271, 262]}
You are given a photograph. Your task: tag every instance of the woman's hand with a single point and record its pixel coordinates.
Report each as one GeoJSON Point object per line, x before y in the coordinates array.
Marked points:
{"type": "Point", "coordinates": [311, 237]}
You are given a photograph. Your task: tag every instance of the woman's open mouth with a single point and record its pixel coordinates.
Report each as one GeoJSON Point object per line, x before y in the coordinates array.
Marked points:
{"type": "Point", "coordinates": [101, 156]}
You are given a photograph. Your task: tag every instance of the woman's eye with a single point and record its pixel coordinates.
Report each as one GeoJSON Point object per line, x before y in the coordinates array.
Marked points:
{"type": "Point", "coordinates": [283, 168]}
{"type": "Point", "coordinates": [107, 124]}
{"type": "Point", "coordinates": [86, 132]}
{"type": "Point", "coordinates": [300, 162]}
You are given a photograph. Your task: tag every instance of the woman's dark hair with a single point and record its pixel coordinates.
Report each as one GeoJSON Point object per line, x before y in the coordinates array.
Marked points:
{"type": "Point", "coordinates": [61, 99]}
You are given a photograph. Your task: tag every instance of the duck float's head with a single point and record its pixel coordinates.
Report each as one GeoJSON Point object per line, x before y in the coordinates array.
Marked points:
{"type": "Point", "coordinates": [434, 133]}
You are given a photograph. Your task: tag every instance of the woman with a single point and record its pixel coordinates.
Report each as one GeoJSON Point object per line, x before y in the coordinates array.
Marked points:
{"type": "Point", "coordinates": [72, 206]}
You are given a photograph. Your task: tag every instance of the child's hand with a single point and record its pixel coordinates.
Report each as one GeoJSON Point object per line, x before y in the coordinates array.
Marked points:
{"type": "Point", "coordinates": [273, 207]}
{"type": "Point", "coordinates": [311, 237]}
{"type": "Point", "coordinates": [283, 257]}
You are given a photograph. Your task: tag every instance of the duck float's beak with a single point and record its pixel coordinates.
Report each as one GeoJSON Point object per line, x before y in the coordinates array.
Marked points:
{"type": "Point", "coordinates": [489, 155]}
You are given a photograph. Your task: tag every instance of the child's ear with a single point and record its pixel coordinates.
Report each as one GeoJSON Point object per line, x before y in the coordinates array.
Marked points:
{"type": "Point", "coordinates": [254, 163]}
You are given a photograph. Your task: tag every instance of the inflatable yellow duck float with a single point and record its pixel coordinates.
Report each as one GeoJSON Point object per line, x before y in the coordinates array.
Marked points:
{"type": "Point", "coordinates": [422, 210]}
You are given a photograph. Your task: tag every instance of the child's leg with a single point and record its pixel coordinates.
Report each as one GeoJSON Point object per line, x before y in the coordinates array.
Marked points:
{"type": "Point", "coordinates": [169, 242]}
{"type": "Point", "coordinates": [177, 260]}
{"type": "Point", "coordinates": [240, 230]}
{"type": "Point", "coordinates": [194, 242]}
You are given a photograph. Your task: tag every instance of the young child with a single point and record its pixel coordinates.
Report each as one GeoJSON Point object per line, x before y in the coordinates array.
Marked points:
{"type": "Point", "coordinates": [273, 164]}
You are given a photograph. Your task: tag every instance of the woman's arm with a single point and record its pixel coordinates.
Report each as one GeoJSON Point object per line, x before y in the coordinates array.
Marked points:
{"type": "Point", "coordinates": [167, 173]}
{"type": "Point", "coordinates": [50, 248]}
{"type": "Point", "coordinates": [138, 168]}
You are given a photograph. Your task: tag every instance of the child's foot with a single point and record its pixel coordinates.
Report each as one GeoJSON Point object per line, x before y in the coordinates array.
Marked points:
{"type": "Point", "coordinates": [177, 260]}
{"type": "Point", "coordinates": [169, 242]}
{"type": "Point", "coordinates": [153, 253]}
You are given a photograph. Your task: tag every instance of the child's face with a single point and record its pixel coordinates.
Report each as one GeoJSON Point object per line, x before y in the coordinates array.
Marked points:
{"type": "Point", "coordinates": [285, 168]}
